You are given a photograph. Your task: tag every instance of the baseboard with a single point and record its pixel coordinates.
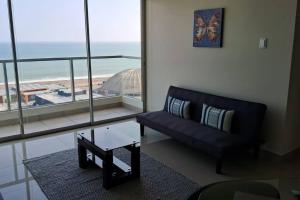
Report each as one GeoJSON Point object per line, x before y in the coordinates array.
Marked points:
{"type": "Point", "coordinates": [280, 152]}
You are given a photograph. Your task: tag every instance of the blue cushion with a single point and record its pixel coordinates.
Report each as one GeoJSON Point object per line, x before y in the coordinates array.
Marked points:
{"type": "Point", "coordinates": [179, 107]}
{"type": "Point", "coordinates": [217, 118]}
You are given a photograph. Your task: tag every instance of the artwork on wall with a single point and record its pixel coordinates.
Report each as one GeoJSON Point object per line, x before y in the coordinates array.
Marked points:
{"type": "Point", "coordinates": [208, 28]}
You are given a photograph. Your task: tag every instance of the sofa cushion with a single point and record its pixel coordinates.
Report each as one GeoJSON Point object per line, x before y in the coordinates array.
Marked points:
{"type": "Point", "coordinates": [211, 140]}
{"type": "Point", "coordinates": [217, 118]}
{"type": "Point", "coordinates": [178, 107]}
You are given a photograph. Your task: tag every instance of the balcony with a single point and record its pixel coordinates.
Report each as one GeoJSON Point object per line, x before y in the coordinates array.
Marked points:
{"type": "Point", "coordinates": [53, 104]}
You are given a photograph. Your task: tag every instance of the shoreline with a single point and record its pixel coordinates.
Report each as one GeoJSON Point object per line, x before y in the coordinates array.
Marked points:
{"type": "Point", "coordinates": [105, 76]}
{"type": "Point", "coordinates": [80, 82]}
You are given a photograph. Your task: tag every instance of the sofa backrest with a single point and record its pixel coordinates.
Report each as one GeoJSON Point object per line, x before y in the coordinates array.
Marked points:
{"type": "Point", "coordinates": [247, 119]}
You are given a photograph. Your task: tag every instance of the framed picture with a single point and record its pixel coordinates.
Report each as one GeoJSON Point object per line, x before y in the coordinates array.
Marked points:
{"type": "Point", "coordinates": [208, 28]}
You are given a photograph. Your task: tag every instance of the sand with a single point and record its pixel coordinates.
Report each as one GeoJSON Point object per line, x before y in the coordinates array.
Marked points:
{"type": "Point", "coordinates": [81, 83]}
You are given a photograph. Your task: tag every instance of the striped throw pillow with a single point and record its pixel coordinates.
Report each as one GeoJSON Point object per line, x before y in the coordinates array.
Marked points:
{"type": "Point", "coordinates": [217, 118]}
{"type": "Point", "coordinates": [179, 107]}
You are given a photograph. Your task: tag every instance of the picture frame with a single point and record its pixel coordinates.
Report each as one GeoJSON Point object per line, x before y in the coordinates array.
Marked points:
{"type": "Point", "coordinates": [208, 28]}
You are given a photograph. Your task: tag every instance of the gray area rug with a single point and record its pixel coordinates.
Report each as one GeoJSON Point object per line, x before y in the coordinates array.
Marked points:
{"type": "Point", "coordinates": [59, 177]}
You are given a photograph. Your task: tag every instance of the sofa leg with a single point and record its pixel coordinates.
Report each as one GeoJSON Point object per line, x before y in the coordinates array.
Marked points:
{"type": "Point", "coordinates": [142, 129]}
{"type": "Point", "coordinates": [219, 164]}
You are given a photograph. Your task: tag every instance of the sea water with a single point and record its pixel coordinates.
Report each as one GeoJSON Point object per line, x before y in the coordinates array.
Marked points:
{"type": "Point", "coordinates": [60, 70]}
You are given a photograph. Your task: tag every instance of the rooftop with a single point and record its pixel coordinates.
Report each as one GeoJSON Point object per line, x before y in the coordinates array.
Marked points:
{"type": "Point", "coordinates": [127, 82]}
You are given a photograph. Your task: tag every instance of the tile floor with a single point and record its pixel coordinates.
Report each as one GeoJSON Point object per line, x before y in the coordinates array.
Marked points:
{"type": "Point", "coordinates": [16, 182]}
{"type": "Point", "coordinates": [69, 120]}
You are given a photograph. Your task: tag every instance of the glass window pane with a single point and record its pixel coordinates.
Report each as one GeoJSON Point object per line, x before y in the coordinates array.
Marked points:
{"type": "Point", "coordinates": [115, 31]}
{"type": "Point", "coordinates": [50, 37]}
{"type": "Point", "coordinates": [9, 123]}
{"type": "Point", "coordinates": [5, 52]}
{"type": "Point", "coordinates": [115, 27]}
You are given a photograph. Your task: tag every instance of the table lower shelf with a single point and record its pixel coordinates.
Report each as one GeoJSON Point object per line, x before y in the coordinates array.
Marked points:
{"type": "Point", "coordinates": [116, 162]}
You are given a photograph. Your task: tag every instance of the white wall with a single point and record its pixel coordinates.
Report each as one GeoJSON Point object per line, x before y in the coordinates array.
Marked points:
{"type": "Point", "coordinates": [239, 69]}
{"type": "Point", "coordinates": [293, 110]}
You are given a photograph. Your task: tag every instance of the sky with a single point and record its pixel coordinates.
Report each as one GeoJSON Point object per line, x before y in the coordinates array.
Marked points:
{"type": "Point", "coordinates": [63, 20]}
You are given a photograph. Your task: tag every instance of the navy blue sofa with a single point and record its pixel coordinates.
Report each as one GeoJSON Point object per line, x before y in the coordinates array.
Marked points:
{"type": "Point", "coordinates": [245, 129]}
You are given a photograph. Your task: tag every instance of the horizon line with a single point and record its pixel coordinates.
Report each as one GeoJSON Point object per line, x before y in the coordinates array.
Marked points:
{"type": "Point", "coordinates": [69, 41]}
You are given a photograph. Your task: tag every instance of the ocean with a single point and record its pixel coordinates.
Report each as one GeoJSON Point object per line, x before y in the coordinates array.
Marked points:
{"type": "Point", "coordinates": [60, 70]}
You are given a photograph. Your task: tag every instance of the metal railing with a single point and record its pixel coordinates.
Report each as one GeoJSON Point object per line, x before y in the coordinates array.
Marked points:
{"type": "Point", "coordinates": [71, 65]}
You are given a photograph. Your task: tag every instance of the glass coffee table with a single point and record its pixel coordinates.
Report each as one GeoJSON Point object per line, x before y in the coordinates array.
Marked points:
{"type": "Point", "coordinates": [96, 146]}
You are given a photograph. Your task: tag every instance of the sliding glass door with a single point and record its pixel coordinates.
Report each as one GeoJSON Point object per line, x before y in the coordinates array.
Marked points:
{"type": "Point", "coordinates": [52, 61]}
{"type": "Point", "coordinates": [115, 34]}
{"type": "Point", "coordinates": [49, 34]}
{"type": "Point", "coordinates": [9, 113]}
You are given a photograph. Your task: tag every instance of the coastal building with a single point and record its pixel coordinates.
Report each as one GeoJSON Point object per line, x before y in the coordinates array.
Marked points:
{"type": "Point", "coordinates": [29, 91]}
{"type": "Point", "coordinates": [61, 96]}
{"type": "Point", "coordinates": [3, 98]}
{"type": "Point", "coordinates": [124, 83]}
{"type": "Point", "coordinates": [68, 92]}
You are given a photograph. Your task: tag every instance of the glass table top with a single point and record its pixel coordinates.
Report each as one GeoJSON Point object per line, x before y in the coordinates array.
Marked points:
{"type": "Point", "coordinates": [110, 137]}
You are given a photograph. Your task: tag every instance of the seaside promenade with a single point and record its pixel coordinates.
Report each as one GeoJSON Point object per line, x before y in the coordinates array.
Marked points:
{"type": "Point", "coordinates": [30, 89]}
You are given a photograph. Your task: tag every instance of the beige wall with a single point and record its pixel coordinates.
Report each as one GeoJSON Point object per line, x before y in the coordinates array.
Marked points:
{"type": "Point", "coordinates": [240, 69]}
{"type": "Point", "coordinates": [293, 111]}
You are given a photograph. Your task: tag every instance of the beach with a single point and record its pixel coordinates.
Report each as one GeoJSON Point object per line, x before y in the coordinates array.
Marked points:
{"type": "Point", "coordinates": [80, 83]}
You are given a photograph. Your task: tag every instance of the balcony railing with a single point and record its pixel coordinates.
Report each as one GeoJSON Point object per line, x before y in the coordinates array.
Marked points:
{"type": "Point", "coordinates": [71, 70]}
